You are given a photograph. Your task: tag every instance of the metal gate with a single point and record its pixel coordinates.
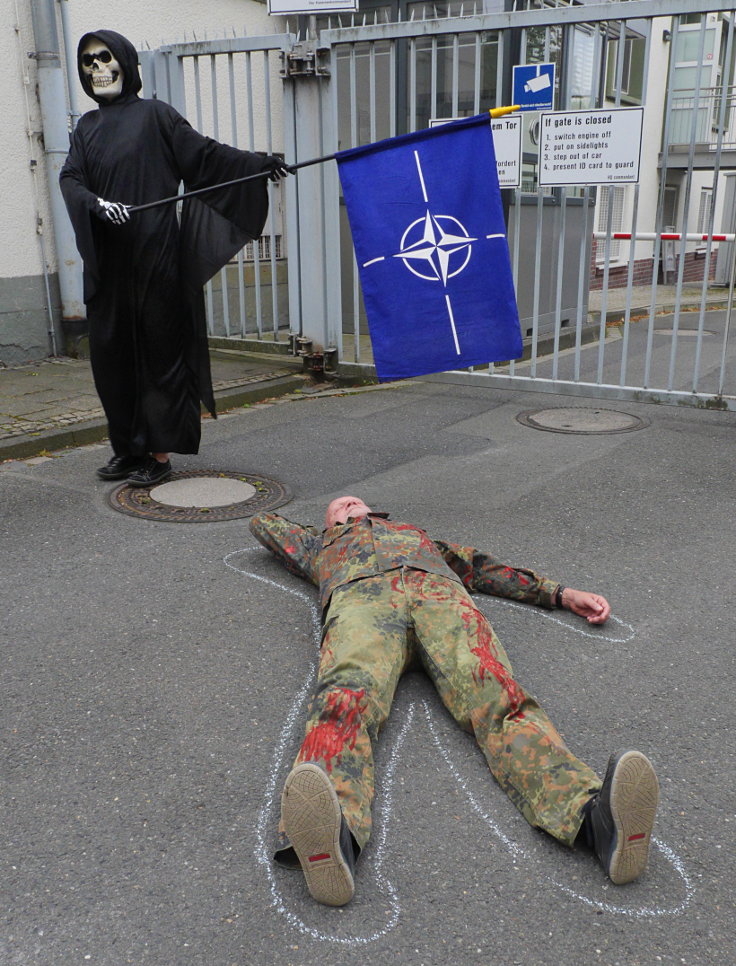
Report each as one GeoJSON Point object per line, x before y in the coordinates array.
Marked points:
{"type": "Point", "coordinates": [605, 311]}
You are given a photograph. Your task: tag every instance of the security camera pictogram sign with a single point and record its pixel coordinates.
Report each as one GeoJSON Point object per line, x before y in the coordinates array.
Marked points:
{"type": "Point", "coordinates": [534, 86]}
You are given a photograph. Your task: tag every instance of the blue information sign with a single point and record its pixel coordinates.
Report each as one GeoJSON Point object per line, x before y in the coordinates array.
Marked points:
{"type": "Point", "coordinates": [534, 86]}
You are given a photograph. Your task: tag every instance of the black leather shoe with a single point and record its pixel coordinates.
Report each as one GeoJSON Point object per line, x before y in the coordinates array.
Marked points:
{"type": "Point", "coordinates": [620, 818]}
{"type": "Point", "coordinates": [150, 473]}
{"type": "Point", "coordinates": [319, 834]}
{"type": "Point", "coordinates": [119, 467]}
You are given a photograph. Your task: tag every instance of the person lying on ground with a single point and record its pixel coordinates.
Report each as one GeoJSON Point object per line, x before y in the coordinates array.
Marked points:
{"type": "Point", "coordinates": [393, 598]}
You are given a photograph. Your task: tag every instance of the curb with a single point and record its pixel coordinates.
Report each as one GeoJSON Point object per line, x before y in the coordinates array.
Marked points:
{"type": "Point", "coordinates": [95, 430]}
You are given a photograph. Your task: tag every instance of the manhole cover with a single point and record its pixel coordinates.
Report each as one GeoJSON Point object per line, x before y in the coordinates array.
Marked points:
{"type": "Point", "coordinates": [201, 496]}
{"type": "Point", "coordinates": [206, 491]}
{"type": "Point", "coordinates": [581, 420]}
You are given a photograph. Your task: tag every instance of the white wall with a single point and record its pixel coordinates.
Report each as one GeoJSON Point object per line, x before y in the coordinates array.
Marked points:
{"type": "Point", "coordinates": [145, 23]}
{"type": "Point", "coordinates": [23, 193]}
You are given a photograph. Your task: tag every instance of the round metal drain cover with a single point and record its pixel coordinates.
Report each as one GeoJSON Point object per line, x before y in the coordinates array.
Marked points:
{"type": "Point", "coordinates": [581, 420]}
{"type": "Point", "coordinates": [201, 496]}
{"type": "Point", "coordinates": [198, 491]}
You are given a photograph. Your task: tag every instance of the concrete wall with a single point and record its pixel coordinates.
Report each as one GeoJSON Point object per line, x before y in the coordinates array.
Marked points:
{"type": "Point", "coordinates": [25, 268]}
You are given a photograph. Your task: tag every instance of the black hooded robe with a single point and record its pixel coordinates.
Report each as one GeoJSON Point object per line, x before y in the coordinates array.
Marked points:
{"type": "Point", "coordinates": [143, 279]}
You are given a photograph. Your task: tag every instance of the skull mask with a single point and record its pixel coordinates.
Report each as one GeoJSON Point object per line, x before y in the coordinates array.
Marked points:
{"type": "Point", "coordinates": [104, 72]}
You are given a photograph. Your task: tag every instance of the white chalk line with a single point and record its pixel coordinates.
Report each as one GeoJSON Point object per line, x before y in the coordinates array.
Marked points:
{"type": "Point", "coordinates": [517, 851]}
{"type": "Point", "coordinates": [262, 852]}
{"type": "Point", "coordinates": [573, 628]}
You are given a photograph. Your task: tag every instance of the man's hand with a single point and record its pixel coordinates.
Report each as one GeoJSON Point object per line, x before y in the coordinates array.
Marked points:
{"type": "Point", "coordinates": [594, 608]}
{"type": "Point", "coordinates": [112, 211]}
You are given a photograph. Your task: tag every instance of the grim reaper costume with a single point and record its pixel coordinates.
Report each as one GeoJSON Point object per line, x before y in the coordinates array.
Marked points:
{"type": "Point", "coordinates": [143, 278]}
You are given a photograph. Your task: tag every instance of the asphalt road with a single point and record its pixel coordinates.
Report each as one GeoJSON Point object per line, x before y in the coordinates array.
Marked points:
{"type": "Point", "coordinates": [154, 680]}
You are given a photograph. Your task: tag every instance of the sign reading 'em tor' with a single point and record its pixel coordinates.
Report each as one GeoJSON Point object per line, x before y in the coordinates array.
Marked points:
{"type": "Point", "coordinates": [590, 147]}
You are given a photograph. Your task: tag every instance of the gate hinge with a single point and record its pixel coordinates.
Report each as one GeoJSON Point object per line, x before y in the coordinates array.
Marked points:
{"type": "Point", "coordinates": [305, 60]}
{"type": "Point", "coordinates": [319, 363]}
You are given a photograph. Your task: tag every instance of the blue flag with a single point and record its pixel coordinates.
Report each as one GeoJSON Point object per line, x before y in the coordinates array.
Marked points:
{"type": "Point", "coordinates": [430, 241]}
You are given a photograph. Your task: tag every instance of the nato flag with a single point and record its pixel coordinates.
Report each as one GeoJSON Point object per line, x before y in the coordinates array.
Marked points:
{"type": "Point", "coordinates": [430, 241]}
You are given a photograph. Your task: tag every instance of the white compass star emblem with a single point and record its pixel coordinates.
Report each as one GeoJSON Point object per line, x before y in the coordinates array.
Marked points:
{"type": "Point", "coordinates": [435, 247]}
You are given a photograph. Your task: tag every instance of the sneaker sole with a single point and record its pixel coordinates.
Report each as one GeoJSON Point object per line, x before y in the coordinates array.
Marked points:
{"type": "Point", "coordinates": [312, 818]}
{"type": "Point", "coordinates": [634, 798]}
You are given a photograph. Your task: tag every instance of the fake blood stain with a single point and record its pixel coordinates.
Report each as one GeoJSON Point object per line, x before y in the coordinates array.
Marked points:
{"type": "Point", "coordinates": [339, 726]}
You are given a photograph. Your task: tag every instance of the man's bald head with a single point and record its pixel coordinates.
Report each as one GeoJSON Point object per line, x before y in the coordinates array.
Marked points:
{"type": "Point", "coordinates": [344, 507]}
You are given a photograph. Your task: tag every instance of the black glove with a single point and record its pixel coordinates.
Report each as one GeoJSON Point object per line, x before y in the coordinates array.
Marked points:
{"type": "Point", "coordinates": [277, 168]}
{"type": "Point", "coordinates": [112, 211]}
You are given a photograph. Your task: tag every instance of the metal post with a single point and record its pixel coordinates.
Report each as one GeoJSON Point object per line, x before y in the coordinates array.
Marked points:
{"type": "Point", "coordinates": [54, 113]}
{"type": "Point", "coordinates": [316, 299]}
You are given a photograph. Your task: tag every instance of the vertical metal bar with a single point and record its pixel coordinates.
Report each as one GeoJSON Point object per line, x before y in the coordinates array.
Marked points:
{"type": "Point", "coordinates": [634, 222]}
{"type": "Point", "coordinates": [609, 218]}
{"type": "Point", "coordinates": [291, 210]}
{"type": "Point", "coordinates": [686, 208]}
{"type": "Point", "coordinates": [392, 97]}
{"type": "Point", "coordinates": [209, 301]}
{"type": "Point", "coordinates": [504, 52]}
{"type": "Point", "coordinates": [330, 206]}
{"type": "Point", "coordinates": [727, 329]}
{"type": "Point", "coordinates": [213, 98]}
{"type": "Point", "coordinates": [658, 228]}
{"type": "Point", "coordinates": [537, 277]}
{"type": "Point", "coordinates": [433, 77]}
{"type": "Point", "coordinates": [476, 74]}
{"type": "Point", "coordinates": [235, 141]}
{"type": "Point", "coordinates": [714, 200]}
{"type": "Point", "coordinates": [412, 84]}
{"type": "Point", "coordinates": [582, 269]}
{"type": "Point", "coordinates": [503, 46]}
{"type": "Point", "coordinates": [560, 271]}
{"type": "Point", "coordinates": [251, 147]}
{"type": "Point", "coordinates": [271, 191]}
{"type": "Point", "coordinates": [197, 92]}
{"type": "Point", "coordinates": [372, 88]}
{"type": "Point", "coordinates": [216, 135]}
{"type": "Point", "coordinates": [231, 89]}
{"type": "Point", "coordinates": [455, 73]}
{"type": "Point", "coordinates": [515, 257]}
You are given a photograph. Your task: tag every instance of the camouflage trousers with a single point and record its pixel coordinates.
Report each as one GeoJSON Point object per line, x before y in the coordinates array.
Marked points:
{"type": "Point", "coordinates": [375, 628]}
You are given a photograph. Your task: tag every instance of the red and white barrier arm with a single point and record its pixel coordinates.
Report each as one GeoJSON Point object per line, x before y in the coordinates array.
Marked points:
{"type": "Point", "coordinates": [665, 236]}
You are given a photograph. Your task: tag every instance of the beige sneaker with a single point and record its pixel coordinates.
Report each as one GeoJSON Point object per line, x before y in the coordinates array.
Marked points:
{"type": "Point", "coordinates": [318, 833]}
{"type": "Point", "coordinates": [621, 816]}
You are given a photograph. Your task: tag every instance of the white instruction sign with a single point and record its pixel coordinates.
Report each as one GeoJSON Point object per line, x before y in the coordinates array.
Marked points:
{"type": "Point", "coordinates": [506, 146]}
{"type": "Point", "coordinates": [590, 147]}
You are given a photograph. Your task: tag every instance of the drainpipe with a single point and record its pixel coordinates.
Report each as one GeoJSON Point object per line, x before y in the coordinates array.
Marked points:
{"type": "Point", "coordinates": [54, 113]}
{"type": "Point", "coordinates": [71, 64]}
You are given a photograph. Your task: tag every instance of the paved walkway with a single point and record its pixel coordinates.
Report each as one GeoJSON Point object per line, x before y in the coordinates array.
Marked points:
{"type": "Point", "coordinates": [665, 298]}
{"type": "Point", "coordinates": [51, 404]}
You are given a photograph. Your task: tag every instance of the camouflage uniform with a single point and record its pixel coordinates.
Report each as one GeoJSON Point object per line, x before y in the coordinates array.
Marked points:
{"type": "Point", "coordinates": [391, 596]}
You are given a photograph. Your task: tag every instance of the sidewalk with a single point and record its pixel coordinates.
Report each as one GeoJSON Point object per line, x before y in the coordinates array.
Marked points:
{"type": "Point", "coordinates": [666, 297]}
{"type": "Point", "coordinates": [51, 404]}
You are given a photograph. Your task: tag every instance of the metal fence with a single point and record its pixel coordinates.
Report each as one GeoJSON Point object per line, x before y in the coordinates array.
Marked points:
{"type": "Point", "coordinates": [602, 317]}
{"type": "Point", "coordinates": [231, 90]}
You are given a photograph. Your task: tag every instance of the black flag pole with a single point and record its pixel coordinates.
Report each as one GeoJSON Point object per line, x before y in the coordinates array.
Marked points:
{"type": "Point", "coordinates": [494, 112]}
{"type": "Point", "coordinates": [226, 184]}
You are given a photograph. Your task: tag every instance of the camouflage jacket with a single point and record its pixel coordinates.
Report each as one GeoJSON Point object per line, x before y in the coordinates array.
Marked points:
{"type": "Point", "coordinates": [373, 544]}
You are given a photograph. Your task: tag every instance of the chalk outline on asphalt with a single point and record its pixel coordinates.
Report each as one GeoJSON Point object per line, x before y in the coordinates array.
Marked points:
{"type": "Point", "coordinates": [385, 796]}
